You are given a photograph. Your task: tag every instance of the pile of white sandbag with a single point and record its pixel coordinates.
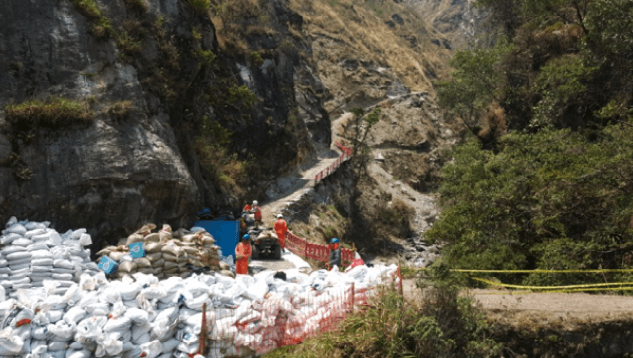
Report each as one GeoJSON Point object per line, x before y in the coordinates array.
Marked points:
{"type": "Point", "coordinates": [88, 315]}
{"type": "Point", "coordinates": [31, 252]}
{"type": "Point", "coordinates": [146, 317]}
{"type": "Point", "coordinates": [166, 253]}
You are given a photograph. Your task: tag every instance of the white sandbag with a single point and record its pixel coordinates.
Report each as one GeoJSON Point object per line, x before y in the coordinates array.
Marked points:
{"type": "Point", "coordinates": [85, 240]}
{"type": "Point", "coordinates": [20, 281]}
{"type": "Point", "coordinates": [55, 239]}
{"type": "Point", "coordinates": [74, 315]}
{"type": "Point", "coordinates": [110, 345]}
{"type": "Point", "coordinates": [41, 254]}
{"type": "Point", "coordinates": [18, 255]}
{"type": "Point", "coordinates": [10, 343]}
{"type": "Point", "coordinates": [29, 234]}
{"type": "Point", "coordinates": [54, 346]}
{"type": "Point", "coordinates": [152, 349]}
{"type": "Point", "coordinates": [62, 276]}
{"type": "Point", "coordinates": [43, 238]}
{"type": "Point", "coordinates": [63, 263]}
{"type": "Point", "coordinates": [38, 348]}
{"type": "Point", "coordinates": [17, 229]}
{"type": "Point", "coordinates": [84, 353]}
{"type": "Point", "coordinates": [117, 325]}
{"type": "Point", "coordinates": [129, 291]}
{"type": "Point", "coordinates": [61, 330]}
{"type": "Point", "coordinates": [98, 306]}
{"type": "Point", "coordinates": [41, 269]}
{"type": "Point", "coordinates": [137, 315]}
{"type": "Point", "coordinates": [2, 294]}
{"type": "Point", "coordinates": [22, 242]}
{"type": "Point", "coordinates": [3, 263]}
{"type": "Point", "coordinates": [40, 333]}
{"type": "Point", "coordinates": [139, 331]}
{"type": "Point", "coordinates": [9, 238]}
{"type": "Point", "coordinates": [90, 329]}
{"type": "Point", "coordinates": [20, 266]}
{"type": "Point", "coordinates": [55, 316]}
{"type": "Point", "coordinates": [37, 246]}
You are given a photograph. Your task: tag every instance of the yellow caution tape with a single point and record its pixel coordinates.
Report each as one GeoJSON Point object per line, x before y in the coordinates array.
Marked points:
{"type": "Point", "coordinates": [596, 286]}
{"type": "Point", "coordinates": [542, 271]}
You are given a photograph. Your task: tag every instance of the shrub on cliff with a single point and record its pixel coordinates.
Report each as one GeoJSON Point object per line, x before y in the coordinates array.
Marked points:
{"type": "Point", "coordinates": [54, 113]}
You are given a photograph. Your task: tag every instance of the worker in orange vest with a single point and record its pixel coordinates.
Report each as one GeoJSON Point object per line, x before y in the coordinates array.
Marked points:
{"type": "Point", "coordinates": [257, 211]}
{"type": "Point", "coordinates": [281, 228]}
{"type": "Point", "coordinates": [243, 252]}
{"type": "Point", "coordinates": [247, 208]}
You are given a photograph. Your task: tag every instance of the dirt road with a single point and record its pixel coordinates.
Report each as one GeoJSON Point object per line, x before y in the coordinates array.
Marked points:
{"type": "Point", "coordinates": [508, 304]}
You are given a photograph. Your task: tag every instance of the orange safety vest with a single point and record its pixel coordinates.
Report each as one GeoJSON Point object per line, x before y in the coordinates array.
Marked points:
{"type": "Point", "coordinates": [247, 208]}
{"type": "Point", "coordinates": [241, 265]}
{"type": "Point", "coordinates": [258, 213]}
{"type": "Point", "coordinates": [281, 228]}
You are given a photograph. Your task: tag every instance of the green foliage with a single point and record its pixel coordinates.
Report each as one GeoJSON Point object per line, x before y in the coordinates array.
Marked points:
{"type": "Point", "coordinates": [121, 109]}
{"type": "Point", "coordinates": [610, 24]}
{"type": "Point", "coordinates": [442, 324]}
{"type": "Point", "coordinates": [214, 132]}
{"type": "Point", "coordinates": [561, 81]}
{"type": "Point", "coordinates": [556, 198]}
{"type": "Point", "coordinates": [55, 113]}
{"type": "Point", "coordinates": [241, 96]}
{"type": "Point", "coordinates": [127, 44]}
{"type": "Point", "coordinates": [101, 26]}
{"type": "Point", "coordinates": [205, 57]}
{"type": "Point", "coordinates": [256, 58]}
{"type": "Point", "coordinates": [476, 82]}
{"type": "Point", "coordinates": [138, 5]}
{"type": "Point", "coordinates": [200, 6]}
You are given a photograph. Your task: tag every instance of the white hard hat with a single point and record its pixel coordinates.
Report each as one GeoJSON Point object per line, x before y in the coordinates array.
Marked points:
{"type": "Point", "coordinates": [279, 216]}
{"type": "Point", "coordinates": [254, 202]}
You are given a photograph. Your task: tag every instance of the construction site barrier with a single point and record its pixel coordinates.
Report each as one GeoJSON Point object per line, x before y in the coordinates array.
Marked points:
{"type": "Point", "coordinates": [347, 153]}
{"type": "Point", "coordinates": [278, 321]}
{"type": "Point", "coordinates": [602, 286]}
{"type": "Point", "coordinates": [303, 248]}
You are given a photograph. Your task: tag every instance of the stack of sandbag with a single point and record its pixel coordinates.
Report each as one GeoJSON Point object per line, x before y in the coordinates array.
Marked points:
{"type": "Point", "coordinates": [142, 316]}
{"type": "Point", "coordinates": [166, 253]}
{"type": "Point", "coordinates": [31, 252]}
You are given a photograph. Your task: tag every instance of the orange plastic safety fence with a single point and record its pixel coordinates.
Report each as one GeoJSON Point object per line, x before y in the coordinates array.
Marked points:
{"type": "Point", "coordinates": [347, 152]}
{"type": "Point", "coordinates": [279, 321]}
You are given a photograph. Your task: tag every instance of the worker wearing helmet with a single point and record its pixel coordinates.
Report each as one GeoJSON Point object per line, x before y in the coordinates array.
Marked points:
{"type": "Point", "coordinates": [281, 228]}
{"type": "Point", "coordinates": [243, 252]}
{"type": "Point", "coordinates": [335, 253]}
{"type": "Point", "coordinates": [257, 211]}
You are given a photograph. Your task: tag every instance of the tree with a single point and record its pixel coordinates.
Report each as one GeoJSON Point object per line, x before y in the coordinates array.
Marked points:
{"type": "Point", "coordinates": [361, 125]}
{"type": "Point", "coordinates": [569, 11]}
{"type": "Point", "coordinates": [476, 83]}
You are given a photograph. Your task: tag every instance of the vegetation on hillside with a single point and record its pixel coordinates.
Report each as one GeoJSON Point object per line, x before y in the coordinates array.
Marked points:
{"type": "Point", "coordinates": [545, 179]}
{"type": "Point", "coordinates": [441, 324]}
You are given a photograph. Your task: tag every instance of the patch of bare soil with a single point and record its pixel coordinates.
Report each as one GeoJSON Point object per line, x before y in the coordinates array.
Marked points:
{"type": "Point", "coordinates": [521, 308]}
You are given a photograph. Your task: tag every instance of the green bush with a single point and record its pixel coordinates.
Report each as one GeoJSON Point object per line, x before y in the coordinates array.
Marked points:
{"type": "Point", "coordinates": [241, 96]}
{"type": "Point", "coordinates": [205, 57]}
{"type": "Point", "coordinates": [54, 113]}
{"type": "Point", "coordinates": [553, 199]}
{"type": "Point", "coordinates": [101, 26]}
{"type": "Point", "coordinates": [200, 6]}
{"type": "Point", "coordinates": [441, 324]}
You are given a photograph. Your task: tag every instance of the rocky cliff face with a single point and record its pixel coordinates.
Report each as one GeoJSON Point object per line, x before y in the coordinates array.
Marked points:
{"type": "Point", "coordinates": [143, 73]}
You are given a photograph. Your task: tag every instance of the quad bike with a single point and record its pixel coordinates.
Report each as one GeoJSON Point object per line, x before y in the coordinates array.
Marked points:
{"type": "Point", "coordinates": [264, 242]}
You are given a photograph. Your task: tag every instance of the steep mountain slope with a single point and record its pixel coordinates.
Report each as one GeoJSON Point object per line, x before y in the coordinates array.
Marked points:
{"type": "Point", "coordinates": [115, 113]}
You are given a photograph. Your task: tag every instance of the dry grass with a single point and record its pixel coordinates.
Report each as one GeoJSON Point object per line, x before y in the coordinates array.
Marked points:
{"type": "Point", "coordinates": [351, 29]}
{"type": "Point", "coordinates": [121, 109]}
{"type": "Point", "coordinates": [55, 113]}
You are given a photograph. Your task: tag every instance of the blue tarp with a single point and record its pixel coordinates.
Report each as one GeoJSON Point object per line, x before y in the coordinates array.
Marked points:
{"type": "Point", "coordinates": [225, 233]}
